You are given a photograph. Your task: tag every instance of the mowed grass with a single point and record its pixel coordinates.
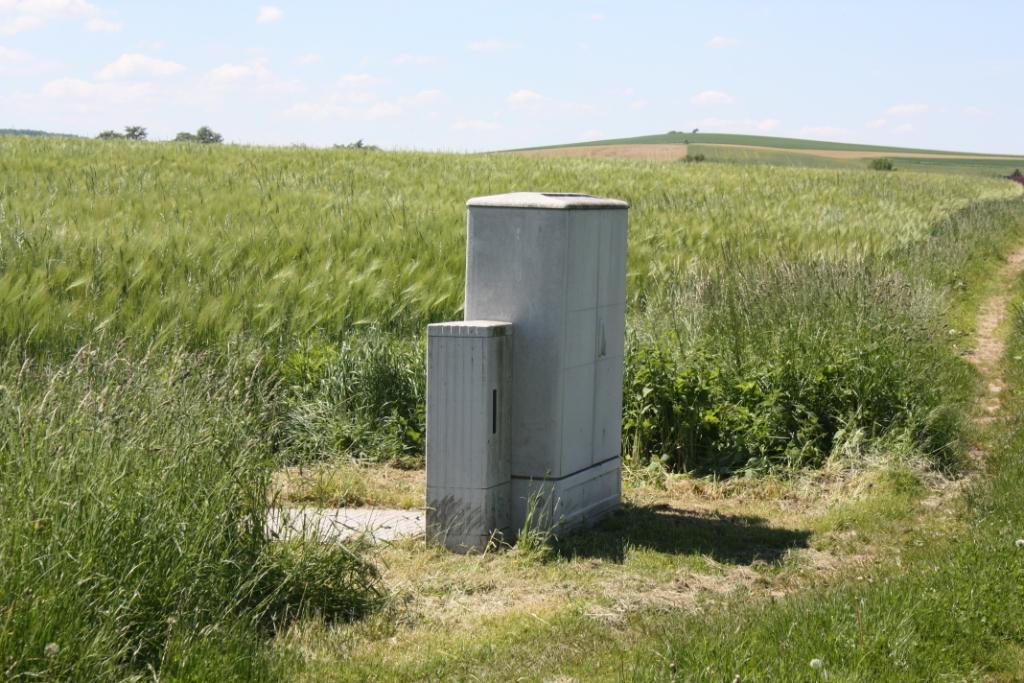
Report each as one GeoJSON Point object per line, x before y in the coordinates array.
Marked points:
{"type": "Point", "coordinates": [587, 607]}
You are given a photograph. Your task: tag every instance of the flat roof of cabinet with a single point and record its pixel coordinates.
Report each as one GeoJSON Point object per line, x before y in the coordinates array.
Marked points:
{"type": "Point", "coordinates": [547, 200]}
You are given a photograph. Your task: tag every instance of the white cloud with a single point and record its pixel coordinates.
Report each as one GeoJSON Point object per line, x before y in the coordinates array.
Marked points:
{"type": "Point", "coordinates": [133, 64]}
{"type": "Point", "coordinates": [340, 108]}
{"type": "Point", "coordinates": [269, 14]}
{"type": "Point", "coordinates": [108, 93]}
{"type": "Point", "coordinates": [255, 75]}
{"type": "Point", "coordinates": [977, 112]}
{"type": "Point", "coordinates": [906, 109]}
{"type": "Point", "coordinates": [423, 97]}
{"type": "Point", "coordinates": [710, 97]}
{"type": "Point", "coordinates": [491, 45]}
{"type": "Point", "coordinates": [359, 80]}
{"type": "Point", "coordinates": [309, 111]}
{"type": "Point", "coordinates": [474, 124]}
{"type": "Point", "coordinates": [877, 123]}
{"type": "Point", "coordinates": [592, 134]}
{"type": "Point", "coordinates": [639, 104]}
{"type": "Point", "coordinates": [357, 97]}
{"type": "Point", "coordinates": [597, 16]}
{"type": "Point", "coordinates": [382, 110]}
{"type": "Point", "coordinates": [628, 92]}
{"type": "Point", "coordinates": [738, 125]}
{"type": "Point", "coordinates": [307, 59]}
{"type": "Point", "coordinates": [22, 15]}
{"type": "Point", "coordinates": [415, 60]}
{"type": "Point", "coordinates": [904, 128]}
{"type": "Point", "coordinates": [99, 25]}
{"type": "Point", "coordinates": [575, 108]}
{"type": "Point", "coordinates": [823, 132]}
{"type": "Point", "coordinates": [228, 73]}
{"type": "Point", "coordinates": [18, 62]}
{"type": "Point", "coordinates": [535, 104]}
{"type": "Point", "coordinates": [721, 41]}
{"type": "Point", "coordinates": [353, 98]}
{"type": "Point", "coordinates": [524, 97]}
{"type": "Point", "coordinates": [89, 104]}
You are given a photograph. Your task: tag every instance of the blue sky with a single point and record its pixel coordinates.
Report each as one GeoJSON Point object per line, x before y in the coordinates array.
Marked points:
{"type": "Point", "coordinates": [487, 75]}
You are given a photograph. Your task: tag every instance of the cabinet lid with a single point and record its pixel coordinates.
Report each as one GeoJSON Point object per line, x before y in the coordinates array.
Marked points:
{"type": "Point", "coordinates": [547, 200]}
{"type": "Point", "coordinates": [470, 328]}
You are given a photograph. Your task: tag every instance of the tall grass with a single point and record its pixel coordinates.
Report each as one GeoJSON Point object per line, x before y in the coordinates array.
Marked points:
{"type": "Point", "coordinates": [133, 493]}
{"type": "Point", "coordinates": [363, 397]}
{"type": "Point", "coordinates": [783, 363]}
{"type": "Point", "coordinates": [775, 366]}
{"type": "Point", "coordinates": [948, 610]}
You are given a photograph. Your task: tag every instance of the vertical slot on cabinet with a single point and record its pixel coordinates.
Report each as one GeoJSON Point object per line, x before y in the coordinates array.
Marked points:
{"type": "Point", "coordinates": [494, 411]}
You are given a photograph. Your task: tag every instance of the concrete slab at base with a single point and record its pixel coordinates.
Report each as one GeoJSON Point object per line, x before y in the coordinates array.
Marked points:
{"type": "Point", "coordinates": [343, 524]}
{"type": "Point", "coordinates": [579, 500]}
{"type": "Point", "coordinates": [467, 519]}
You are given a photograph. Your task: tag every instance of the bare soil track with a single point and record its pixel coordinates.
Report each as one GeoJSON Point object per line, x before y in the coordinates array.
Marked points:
{"type": "Point", "coordinates": [990, 344]}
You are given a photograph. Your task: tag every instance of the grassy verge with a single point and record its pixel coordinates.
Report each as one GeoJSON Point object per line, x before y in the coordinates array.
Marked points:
{"type": "Point", "coordinates": [950, 608]}
{"type": "Point", "coordinates": [782, 364]}
{"type": "Point", "coordinates": [582, 606]}
{"type": "Point", "coordinates": [732, 365]}
{"type": "Point", "coordinates": [859, 574]}
{"type": "Point", "coordinates": [134, 497]}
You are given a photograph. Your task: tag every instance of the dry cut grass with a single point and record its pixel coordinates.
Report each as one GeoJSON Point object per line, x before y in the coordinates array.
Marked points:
{"type": "Point", "coordinates": [349, 484]}
{"type": "Point", "coordinates": [679, 543]}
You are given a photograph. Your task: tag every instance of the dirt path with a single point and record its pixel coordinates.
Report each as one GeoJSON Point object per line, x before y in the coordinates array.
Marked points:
{"type": "Point", "coordinates": [990, 345]}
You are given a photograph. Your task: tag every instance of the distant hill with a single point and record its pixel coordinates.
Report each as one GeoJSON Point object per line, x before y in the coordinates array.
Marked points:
{"type": "Point", "coordinates": [777, 151]}
{"type": "Point", "coordinates": [32, 133]}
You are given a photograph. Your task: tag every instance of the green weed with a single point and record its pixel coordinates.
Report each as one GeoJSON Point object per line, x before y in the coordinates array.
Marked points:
{"type": "Point", "coordinates": [134, 498]}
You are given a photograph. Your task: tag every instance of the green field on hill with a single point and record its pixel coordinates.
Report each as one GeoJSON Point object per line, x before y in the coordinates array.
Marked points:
{"type": "Point", "coordinates": [179, 322]}
{"type": "Point", "coordinates": [795, 152]}
{"type": "Point", "coordinates": [682, 137]}
{"type": "Point", "coordinates": [965, 165]}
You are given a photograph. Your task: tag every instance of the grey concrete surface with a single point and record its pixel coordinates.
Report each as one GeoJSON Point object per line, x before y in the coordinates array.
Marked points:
{"type": "Point", "coordinates": [342, 524]}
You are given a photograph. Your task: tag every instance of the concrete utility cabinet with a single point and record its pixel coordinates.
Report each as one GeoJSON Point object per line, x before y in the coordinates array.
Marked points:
{"type": "Point", "coordinates": [468, 465]}
{"type": "Point", "coordinates": [553, 268]}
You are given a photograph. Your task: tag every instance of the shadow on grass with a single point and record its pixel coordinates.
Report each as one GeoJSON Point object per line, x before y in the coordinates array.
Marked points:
{"type": "Point", "coordinates": [731, 539]}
